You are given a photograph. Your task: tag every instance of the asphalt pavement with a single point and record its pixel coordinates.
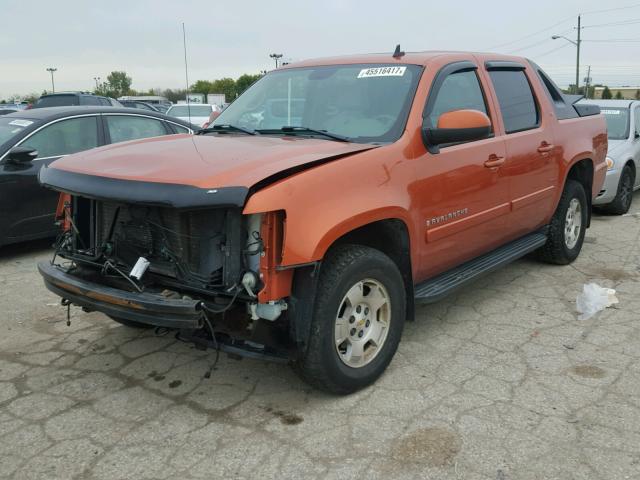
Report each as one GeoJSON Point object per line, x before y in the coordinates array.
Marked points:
{"type": "Point", "coordinates": [499, 382]}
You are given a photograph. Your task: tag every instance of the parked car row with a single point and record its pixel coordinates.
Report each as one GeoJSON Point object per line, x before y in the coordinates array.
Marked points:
{"type": "Point", "coordinates": [68, 99]}
{"type": "Point", "coordinates": [200, 115]}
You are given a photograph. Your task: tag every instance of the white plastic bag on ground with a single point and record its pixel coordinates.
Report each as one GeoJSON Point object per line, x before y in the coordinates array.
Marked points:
{"type": "Point", "coordinates": [593, 299]}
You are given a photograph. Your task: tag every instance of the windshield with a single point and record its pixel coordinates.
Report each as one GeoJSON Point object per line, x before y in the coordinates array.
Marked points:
{"type": "Point", "coordinates": [617, 122]}
{"type": "Point", "coordinates": [196, 110]}
{"type": "Point", "coordinates": [365, 103]}
{"type": "Point", "coordinates": [11, 127]}
{"type": "Point", "coordinates": [57, 101]}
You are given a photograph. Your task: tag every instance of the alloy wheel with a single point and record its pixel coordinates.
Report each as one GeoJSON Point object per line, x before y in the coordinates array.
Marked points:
{"type": "Point", "coordinates": [573, 223]}
{"type": "Point", "coordinates": [362, 323]}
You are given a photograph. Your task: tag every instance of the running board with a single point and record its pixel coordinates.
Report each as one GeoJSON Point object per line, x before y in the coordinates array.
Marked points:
{"type": "Point", "coordinates": [439, 287]}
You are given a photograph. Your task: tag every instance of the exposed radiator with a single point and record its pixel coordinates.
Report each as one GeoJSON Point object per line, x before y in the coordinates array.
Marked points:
{"type": "Point", "coordinates": [186, 245]}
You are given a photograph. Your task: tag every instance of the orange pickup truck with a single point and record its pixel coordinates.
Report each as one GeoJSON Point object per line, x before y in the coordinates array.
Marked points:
{"type": "Point", "coordinates": [327, 201]}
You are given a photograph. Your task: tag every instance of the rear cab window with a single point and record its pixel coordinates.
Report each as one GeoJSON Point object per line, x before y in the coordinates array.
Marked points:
{"type": "Point", "coordinates": [58, 101]}
{"type": "Point", "coordinates": [517, 102]}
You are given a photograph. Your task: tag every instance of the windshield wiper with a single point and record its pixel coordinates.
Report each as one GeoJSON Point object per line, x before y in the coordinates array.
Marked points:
{"type": "Point", "coordinates": [324, 133]}
{"type": "Point", "coordinates": [225, 127]}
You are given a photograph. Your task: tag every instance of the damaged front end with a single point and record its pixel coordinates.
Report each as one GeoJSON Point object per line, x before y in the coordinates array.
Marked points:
{"type": "Point", "coordinates": [197, 268]}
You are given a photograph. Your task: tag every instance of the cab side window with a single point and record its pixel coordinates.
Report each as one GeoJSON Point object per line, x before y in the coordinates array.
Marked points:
{"type": "Point", "coordinates": [127, 127]}
{"type": "Point", "coordinates": [636, 115]}
{"type": "Point", "coordinates": [180, 128]}
{"type": "Point", "coordinates": [65, 137]}
{"type": "Point", "coordinates": [517, 103]}
{"type": "Point", "coordinates": [459, 91]}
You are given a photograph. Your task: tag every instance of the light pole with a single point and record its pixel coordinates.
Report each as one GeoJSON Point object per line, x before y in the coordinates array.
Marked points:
{"type": "Point", "coordinates": [276, 57]}
{"type": "Point", "coordinates": [53, 86]}
{"type": "Point", "coordinates": [577, 44]}
{"type": "Point", "coordinates": [97, 80]}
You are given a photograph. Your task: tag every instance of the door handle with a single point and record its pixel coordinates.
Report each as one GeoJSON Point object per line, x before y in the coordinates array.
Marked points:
{"type": "Point", "coordinates": [545, 147]}
{"type": "Point", "coordinates": [494, 161]}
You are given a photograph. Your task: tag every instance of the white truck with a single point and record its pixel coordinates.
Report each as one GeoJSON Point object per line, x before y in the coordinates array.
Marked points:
{"type": "Point", "coordinates": [218, 99]}
{"type": "Point", "coordinates": [195, 98]}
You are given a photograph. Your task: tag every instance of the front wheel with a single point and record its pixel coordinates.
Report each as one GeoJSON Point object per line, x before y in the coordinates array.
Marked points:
{"type": "Point", "coordinates": [357, 322]}
{"type": "Point", "coordinates": [567, 227]}
{"type": "Point", "coordinates": [624, 196]}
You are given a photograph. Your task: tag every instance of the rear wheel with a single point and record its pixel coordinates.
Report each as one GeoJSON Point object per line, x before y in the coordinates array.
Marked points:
{"type": "Point", "coordinates": [357, 322]}
{"type": "Point", "coordinates": [624, 196]}
{"type": "Point", "coordinates": [567, 227]}
{"type": "Point", "coordinates": [130, 323]}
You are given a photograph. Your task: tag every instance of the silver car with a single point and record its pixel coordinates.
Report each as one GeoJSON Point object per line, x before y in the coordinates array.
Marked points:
{"type": "Point", "coordinates": [623, 156]}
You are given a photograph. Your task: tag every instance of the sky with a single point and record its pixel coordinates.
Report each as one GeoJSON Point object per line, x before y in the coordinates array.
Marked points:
{"type": "Point", "coordinates": [87, 39]}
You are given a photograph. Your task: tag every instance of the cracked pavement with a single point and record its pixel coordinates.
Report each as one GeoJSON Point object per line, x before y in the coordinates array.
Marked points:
{"type": "Point", "coordinates": [500, 381]}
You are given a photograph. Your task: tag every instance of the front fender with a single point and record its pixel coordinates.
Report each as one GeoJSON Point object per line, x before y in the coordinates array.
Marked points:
{"type": "Point", "coordinates": [324, 203]}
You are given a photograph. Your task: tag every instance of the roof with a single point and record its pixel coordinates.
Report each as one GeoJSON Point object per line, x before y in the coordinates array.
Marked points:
{"type": "Point", "coordinates": [627, 87]}
{"type": "Point", "coordinates": [52, 113]}
{"type": "Point", "coordinates": [609, 103]}
{"type": "Point", "coordinates": [415, 58]}
{"type": "Point", "coordinates": [53, 94]}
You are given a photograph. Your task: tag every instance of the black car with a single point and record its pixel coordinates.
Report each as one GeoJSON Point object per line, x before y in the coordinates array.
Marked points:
{"type": "Point", "coordinates": [30, 139]}
{"type": "Point", "coordinates": [71, 99]}
{"type": "Point", "coordinates": [138, 104]}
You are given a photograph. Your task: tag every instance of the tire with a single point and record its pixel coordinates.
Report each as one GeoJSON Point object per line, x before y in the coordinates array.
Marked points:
{"type": "Point", "coordinates": [130, 323]}
{"type": "Point", "coordinates": [562, 248]}
{"type": "Point", "coordinates": [624, 196]}
{"type": "Point", "coordinates": [354, 281]}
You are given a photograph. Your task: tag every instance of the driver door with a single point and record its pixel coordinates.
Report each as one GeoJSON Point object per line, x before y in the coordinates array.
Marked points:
{"type": "Point", "coordinates": [463, 191]}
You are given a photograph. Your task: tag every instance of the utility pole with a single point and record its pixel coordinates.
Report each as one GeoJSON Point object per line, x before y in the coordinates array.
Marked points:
{"type": "Point", "coordinates": [53, 86]}
{"type": "Point", "coordinates": [587, 82]}
{"type": "Point", "coordinates": [578, 58]}
{"type": "Point", "coordinates": [577, 43]}
{"type": "Point", "coordinates": [276, 57]}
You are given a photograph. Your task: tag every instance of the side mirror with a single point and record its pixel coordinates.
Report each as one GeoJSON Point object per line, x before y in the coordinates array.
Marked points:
{"type": "Point", "coordinates": [457, 126]}
{"type": "Point", "coordinates": [18, 155]}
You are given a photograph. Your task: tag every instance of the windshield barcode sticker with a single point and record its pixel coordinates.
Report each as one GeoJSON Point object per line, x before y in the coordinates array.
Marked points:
{"type": "Point", "coordinates": [610, 112]}
{"type": "Point", "coordinates": [382, 72]}
{"type": "Point", "coordinates": [20, 123]}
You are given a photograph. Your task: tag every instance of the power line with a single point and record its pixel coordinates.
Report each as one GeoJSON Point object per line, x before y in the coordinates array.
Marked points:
{"type": "Point", "coordinates": [528, 46]}
{"type": "Point", "coordinates": [616, 40]}
{"type": "Point", "coordinates": [624, 22]}
{"type": "Point", "coordinates": [630, 21]}
{"type": "Point", "coordinates": [564, 45]}
{"type": "Point", "coordinates": [531, 34]}
{"type": "Point", "coordinates": [635, 5]}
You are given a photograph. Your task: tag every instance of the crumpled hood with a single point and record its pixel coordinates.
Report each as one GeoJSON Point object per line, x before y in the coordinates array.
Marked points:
{"type": "Point", "coordinates": [205, 161]}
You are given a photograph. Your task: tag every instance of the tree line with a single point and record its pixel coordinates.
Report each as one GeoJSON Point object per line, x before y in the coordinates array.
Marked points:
{"type": "Point", "coordinates": [119, 83]}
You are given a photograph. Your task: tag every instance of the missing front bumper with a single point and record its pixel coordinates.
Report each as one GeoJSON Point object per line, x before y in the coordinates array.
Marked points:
{"type": "Point", "coordinates": [149, 308]}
